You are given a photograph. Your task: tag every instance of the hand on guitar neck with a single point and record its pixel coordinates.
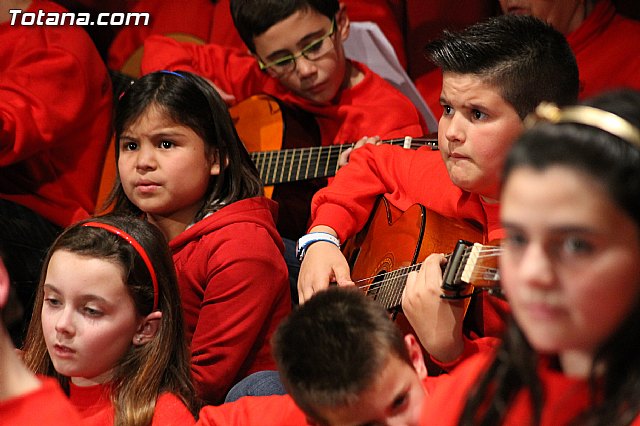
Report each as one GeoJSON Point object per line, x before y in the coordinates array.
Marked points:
{"type": "Point", "coordinates": [344, 157]}
{"type": "Point", "coordinates": [436, 321]}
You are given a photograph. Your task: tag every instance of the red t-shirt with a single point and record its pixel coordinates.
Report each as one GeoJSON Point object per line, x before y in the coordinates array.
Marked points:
{"type": "Point", "coordinates": [47, 405]}
{"type": "Point", "coordinates": [95, 407]}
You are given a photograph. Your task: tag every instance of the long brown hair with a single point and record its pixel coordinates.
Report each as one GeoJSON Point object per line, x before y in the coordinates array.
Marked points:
{"type": "Point", "coordinates": [143, 372]}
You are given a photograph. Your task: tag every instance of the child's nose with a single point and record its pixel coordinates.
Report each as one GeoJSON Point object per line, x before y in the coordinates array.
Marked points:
{"type": "Point", "coordinates": [146, 158]}
{"type": "Point", "coordinates": [305, 67]}
{"type": "Point", "coordinates": [64, 323]}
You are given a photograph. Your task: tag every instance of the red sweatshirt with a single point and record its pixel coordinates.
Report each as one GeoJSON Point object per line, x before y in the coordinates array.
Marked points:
{"type": "Point", "coordinates": [211, 22]}
{"type": "Point", "coordinates": [371, 107]}
{"type": "Point", "coordinates": [95, 407]}
{"type": "Point", "coordinates": [564, 397]}
{"type": "Point", "coordinates": [274, 410]}
{"type": "Point", "coordinates": [234, 289]}
{"type": "Point", "coordinates": [607, 49]}
{"type": "Point", "coordinates": [407, 177]}
{"type": "Point", "coordinates": [47, 405]}
{"type": "Point", "coordinates": [55, 118]}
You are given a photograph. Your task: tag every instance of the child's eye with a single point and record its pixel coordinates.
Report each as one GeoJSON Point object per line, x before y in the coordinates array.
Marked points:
{"type": "Point", "coordinates": [92, 312]}
{"type": "Point", "coordinates": [52, 301]}
{"type": "Point", "coordinates": [314, 47]}
{"type": "Point", "coordinates": [479, 115]}
{"type": "Point", "coordinates": [514, 240]}
{"type": "Point", "coordinates": [129, 146]}
{"type": "Point", "coordinates": [577, 246]}
{"type": "Point", "coordinates": [166, 144]}
{"type": "Point", "coordinates": [400, 402]}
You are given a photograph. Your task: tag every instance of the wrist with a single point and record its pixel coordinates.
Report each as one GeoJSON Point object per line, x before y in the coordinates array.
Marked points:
{"type": "Point", "coordinates": [311, 238]}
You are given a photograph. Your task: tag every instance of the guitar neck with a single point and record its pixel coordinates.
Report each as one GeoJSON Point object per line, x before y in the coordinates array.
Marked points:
{"type": "Point", "coordinates": [470, 264]}
{"type": "Point", "coordinates": [291, 165]}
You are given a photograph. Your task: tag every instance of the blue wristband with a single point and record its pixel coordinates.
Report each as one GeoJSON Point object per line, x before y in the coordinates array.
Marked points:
{"type": "Point", "coordinates": [313, 237]}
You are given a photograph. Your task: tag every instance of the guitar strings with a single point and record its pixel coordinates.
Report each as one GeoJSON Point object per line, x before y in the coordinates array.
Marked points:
{"type": "Point", "coordinates": [392, 277]}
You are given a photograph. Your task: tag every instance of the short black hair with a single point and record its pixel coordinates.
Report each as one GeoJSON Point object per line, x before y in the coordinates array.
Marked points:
{"type": "Point", "coordinates": [525, 58]}
{"type": "Point", "coordinates": [254, 17]}
{"type": "Point", "coordinates": [333, 347]}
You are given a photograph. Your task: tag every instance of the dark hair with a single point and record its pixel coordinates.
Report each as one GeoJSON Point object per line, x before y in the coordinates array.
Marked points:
{"type": "Point", "coordinates": [144, 372]}
{"type": "Point", "coordinates": [254, 17]}
{"type": "Point", "coordinates": [332, 348]}
{"type": "Point", "coordinates": [523, 57]}
{"type": "Point", "coordinates": [191, 101]}
{"type": "Point", "coordinates": [615, 164]}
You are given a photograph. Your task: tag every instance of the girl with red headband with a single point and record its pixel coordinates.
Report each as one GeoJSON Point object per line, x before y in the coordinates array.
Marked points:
{"type": "Point", "coordinates": [108, 325]}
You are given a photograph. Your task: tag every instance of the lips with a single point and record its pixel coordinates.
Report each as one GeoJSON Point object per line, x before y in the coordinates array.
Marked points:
{"type": "Point", "coordinates": [62, 351]}
{"type": "Point", "coordinates": [145, 186]}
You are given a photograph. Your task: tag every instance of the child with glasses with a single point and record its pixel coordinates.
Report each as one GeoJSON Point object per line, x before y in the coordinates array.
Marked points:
{"type": "Point", "coordinates": [297, 55]}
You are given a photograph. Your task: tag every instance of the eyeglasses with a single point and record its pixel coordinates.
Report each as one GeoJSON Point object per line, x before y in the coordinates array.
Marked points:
{"type": "Point", "coordinates": [311, 51]}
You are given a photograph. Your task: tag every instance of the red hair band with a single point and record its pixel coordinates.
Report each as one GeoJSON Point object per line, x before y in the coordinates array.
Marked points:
{"type": "Point", "coordinates": [136, 245]}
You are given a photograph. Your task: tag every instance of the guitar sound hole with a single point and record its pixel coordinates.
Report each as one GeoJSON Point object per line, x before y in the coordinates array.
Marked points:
{"type": "Point", "coordinates": [375, 286]}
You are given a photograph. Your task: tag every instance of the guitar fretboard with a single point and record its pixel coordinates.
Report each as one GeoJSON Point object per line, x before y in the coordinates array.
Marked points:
{"type": "Point", "coordinates": [470, 270]}
{"type": "Point", "coordinates": [291, 165]}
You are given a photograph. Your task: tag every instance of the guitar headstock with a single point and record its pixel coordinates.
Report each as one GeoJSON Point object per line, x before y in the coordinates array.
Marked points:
{"type": "Point", "coordinates": [471, 266]}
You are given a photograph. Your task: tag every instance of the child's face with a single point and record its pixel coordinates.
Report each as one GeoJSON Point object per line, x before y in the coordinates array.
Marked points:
{"type": "Point", "coordinates": [163, 167]}
{"type": "Point", "coordinates": [570, 263]}
{"type": "Point", "coordinates": [396, 397]}
{"type": "Point", "coordinates": [318, 80]}
{"type": "Point", "coordinates": [475, 132]}
{"type": "Point", "coordinates": [88, 317]}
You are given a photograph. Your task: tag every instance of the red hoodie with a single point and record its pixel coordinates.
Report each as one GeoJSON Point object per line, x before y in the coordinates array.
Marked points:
{"type": "Point", "coordinates": [234, 289]}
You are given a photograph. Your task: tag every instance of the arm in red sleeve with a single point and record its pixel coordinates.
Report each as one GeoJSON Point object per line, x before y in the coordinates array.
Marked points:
{"type": "Point", "coordinates": [246, 295]}
{"type": "Point", "coordinates": [346, 203]}
{"type": "Point", "coordinates": [232, 70]}
{"type": "Point", "coordinates": [34, 114]}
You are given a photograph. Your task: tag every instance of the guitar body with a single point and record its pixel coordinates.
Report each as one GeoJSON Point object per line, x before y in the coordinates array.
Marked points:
{"type": "Point", "coordinates": [265, 124]}
{"type": "Point", "coordinates": [393, 239]}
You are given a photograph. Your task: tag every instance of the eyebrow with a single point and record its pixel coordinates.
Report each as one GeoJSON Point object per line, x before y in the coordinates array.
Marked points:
{"type": "Point", "coordinates": [561, 229]}
{"type": "Point", "coordinates": [162, 134]}
{"type": "Point", "coordinates": [84, 297]}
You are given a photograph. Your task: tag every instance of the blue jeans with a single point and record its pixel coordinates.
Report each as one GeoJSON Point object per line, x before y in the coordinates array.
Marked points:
{"type": "Point", "coordinates": [260, 383]}
{"type": "Point", "coordinates": [293, 265]}
{"type": "Point", "coordinates": [25, 237]}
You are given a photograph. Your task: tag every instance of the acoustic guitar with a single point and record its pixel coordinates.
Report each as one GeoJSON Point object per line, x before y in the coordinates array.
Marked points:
{"type": "Point", "coordinates": [394, 243]}
{"type": "Point", "coordinates": [284, 143]}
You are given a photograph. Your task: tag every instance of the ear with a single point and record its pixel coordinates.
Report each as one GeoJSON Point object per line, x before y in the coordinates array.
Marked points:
{"type": "Point", "coordinates": [148, 328]}
{"type": "Point", "coordinates": [342, 22]}
{"type": "Point", "coordinates": [415, 353]}
{"type": "Point", "coordinates": [215, 163]}
{"type": "Point", "coordinates": [5, 284]}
